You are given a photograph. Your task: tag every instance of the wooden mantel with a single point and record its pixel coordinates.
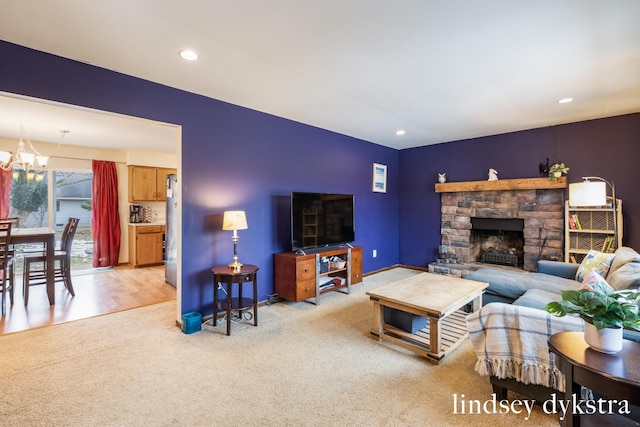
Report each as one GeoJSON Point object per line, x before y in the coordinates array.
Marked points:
{"type": "Point", "coordinates": [502, 184]}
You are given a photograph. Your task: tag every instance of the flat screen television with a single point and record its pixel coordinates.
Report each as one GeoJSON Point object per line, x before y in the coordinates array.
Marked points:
{"type": "Point", "coordinates": [321, 219]}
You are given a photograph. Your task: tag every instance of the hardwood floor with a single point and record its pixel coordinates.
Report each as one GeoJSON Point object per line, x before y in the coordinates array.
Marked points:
{"type": "Point", "coordinates": [102, 292]}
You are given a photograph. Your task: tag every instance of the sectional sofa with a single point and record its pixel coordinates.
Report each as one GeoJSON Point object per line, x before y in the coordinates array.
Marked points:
{"type": "Point", "coordinates": [511, 331]}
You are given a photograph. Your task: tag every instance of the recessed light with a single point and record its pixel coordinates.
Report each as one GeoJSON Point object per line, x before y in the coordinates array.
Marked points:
{"type": "Point", "coordinates": [565, 100]}
{"type": "Point", "coordinates": [189, 55]}
{"type": "Point", "coordinates": [400, 132]}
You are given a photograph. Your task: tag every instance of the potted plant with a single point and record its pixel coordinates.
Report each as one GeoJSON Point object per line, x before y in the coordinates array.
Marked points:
{"type": "Point", "coordinates": [605, 312]}
{"type": "Point", "coordinates": [557, 170]}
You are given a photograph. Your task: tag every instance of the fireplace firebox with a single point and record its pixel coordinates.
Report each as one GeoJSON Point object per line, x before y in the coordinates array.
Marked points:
{"type": "Point", "coordinates": [497, 241]}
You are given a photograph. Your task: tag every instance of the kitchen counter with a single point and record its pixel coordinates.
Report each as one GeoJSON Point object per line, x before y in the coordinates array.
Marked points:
{"type": "Point", "coordinates": [137, 224]}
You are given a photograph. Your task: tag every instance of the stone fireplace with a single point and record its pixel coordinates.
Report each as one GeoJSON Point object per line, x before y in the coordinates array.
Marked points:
{"type": "Point", "coordinates": [534, 208]}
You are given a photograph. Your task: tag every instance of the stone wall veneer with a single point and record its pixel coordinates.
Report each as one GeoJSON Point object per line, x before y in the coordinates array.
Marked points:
{"type": "Point", "coordinates": [541, 209]}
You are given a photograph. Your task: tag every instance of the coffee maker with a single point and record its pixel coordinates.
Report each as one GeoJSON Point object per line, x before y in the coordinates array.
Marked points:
{"type": "Point", "coordinates": [135, 213]}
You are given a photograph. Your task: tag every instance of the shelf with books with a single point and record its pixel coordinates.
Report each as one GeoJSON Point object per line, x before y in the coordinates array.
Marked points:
{"type": "Point", "coordinates": [595, 228]}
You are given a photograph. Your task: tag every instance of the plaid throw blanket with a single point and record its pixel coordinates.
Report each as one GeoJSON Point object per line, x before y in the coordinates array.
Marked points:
{"type": "Point", "coordinates": [511, 342]}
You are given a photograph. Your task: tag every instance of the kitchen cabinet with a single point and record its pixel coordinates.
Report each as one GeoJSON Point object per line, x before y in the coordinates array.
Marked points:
{"type": "Point", "coordinates": [146, 244]}
{"type": "Point", "coordinates": [147, 183]}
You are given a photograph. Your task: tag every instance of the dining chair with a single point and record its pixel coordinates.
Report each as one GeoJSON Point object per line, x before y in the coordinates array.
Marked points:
{"type": "Point", "coordinates": [62, 261]}
{"type": "Point", "coordinates": [14, 220]}
{"type": "Point", "coordinates": [15, 223]}
{"type": "Point", "coordinates": [6, 264]}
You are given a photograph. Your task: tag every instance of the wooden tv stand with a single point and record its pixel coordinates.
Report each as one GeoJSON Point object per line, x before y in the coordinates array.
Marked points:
{"type": "Point", "coordinates": [299, 277]}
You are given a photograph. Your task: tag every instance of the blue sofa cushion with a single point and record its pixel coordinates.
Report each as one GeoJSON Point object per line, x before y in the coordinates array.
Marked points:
{"type": "Point", "coordinates": [512, 284]}
{"type": "Point", "coordinates": [557, 268]}
{"type": "Point", "coordinates": [537, 298]}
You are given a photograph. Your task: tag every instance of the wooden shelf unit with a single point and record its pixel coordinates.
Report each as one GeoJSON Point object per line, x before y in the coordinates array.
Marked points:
{"type": "Point", "coordinates": [597, 225]}
{"type": "Point", "coordinates": [298, 277]}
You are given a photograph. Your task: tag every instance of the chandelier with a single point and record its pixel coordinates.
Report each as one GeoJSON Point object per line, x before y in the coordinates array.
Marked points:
{"type": "Point", "coordinates": [24, 159]}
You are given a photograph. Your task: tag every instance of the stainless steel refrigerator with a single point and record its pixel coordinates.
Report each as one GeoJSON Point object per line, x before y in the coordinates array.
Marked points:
{"type": "Point", "coordinates": [171, 232]}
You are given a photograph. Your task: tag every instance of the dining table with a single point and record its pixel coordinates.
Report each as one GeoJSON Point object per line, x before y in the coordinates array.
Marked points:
{"type": "Point", "coordinates": [44, 235]}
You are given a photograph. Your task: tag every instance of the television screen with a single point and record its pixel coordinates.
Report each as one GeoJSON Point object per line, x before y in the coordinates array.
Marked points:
{"type": "Point", "coordinates": [321, 219]}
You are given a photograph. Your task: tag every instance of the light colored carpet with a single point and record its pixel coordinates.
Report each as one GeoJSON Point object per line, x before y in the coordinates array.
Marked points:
{"type": "Point", "coordinates": [304, 365]}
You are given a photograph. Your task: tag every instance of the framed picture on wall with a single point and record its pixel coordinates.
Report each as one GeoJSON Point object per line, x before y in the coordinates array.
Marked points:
{"type": "Point", "coordinates": [379, 178]}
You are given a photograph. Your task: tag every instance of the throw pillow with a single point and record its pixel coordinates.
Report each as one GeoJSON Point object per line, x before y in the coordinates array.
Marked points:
{"type": "Point", "coordinates": [594, 261]}
{"type": "Point", "coordinates": [624, 255]}
{"type": "Point", "coordinates": [625, 277]}
{"type": "Point", "coordinates": [595, 282]}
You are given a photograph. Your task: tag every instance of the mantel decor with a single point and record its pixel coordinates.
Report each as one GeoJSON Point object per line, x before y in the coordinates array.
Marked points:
{"type": "Point", "coordinates": [557, 170]}
{"type": "Point", "coordinates": [502, 184]}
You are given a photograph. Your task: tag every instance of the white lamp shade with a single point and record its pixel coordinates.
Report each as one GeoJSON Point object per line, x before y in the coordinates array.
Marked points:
{"type": "Point", "coordinates": [5, 156]}
{"type": "Point", "coordinates": [27, 158]}
{"type": "Point", "coordinates": [234, 220]}
{"type": "Point", "coordinates": [42, 161]}
{"type": "Point", "coordinates": [588, 194]}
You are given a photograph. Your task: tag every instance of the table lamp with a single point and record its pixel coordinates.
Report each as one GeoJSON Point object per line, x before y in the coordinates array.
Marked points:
{"type": "Point", "coordinates": [235, 220]}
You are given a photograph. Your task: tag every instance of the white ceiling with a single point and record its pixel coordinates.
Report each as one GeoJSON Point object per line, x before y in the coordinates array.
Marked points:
{"type": "Point", "coordinates": [43, 121]}
{"type": "Point", "coordinates": [442, 70]}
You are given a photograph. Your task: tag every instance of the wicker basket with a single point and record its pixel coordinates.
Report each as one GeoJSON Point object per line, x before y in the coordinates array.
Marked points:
{"type": "Point", "coordinates": [337, 265]}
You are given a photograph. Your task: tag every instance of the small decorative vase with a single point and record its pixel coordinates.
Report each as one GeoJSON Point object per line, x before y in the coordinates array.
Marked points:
{"type": "Point", "coordinates": [557, 174]}
{"type": "Point", "coordinates": [608, 340]}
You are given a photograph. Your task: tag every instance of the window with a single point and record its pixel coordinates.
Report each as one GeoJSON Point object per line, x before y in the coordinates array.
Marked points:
{"type": "Point", "coordinates": [69, 192]}
{"type": "Point", "coordinates": [29, 198]}
{"type": "Point", "coordinates": [72, 198]}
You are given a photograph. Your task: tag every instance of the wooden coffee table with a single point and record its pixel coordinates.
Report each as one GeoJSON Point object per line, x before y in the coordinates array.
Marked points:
{"type": "Point", "coordinates": [440, 299]}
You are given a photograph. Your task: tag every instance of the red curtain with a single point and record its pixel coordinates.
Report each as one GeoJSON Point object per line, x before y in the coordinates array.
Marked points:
{"type": "Point", "coordinates": [6, 178]}
{"type": "Point", "coordinates": [104, 214]}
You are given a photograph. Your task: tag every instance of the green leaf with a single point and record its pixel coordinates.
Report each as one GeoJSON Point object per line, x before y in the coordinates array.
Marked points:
{"type": "Point", "coordinates": [571, 296]}
{"type": "Point", "coordinates": [602, 307]}
{"type": "Point", "coordinates": [555, 308]}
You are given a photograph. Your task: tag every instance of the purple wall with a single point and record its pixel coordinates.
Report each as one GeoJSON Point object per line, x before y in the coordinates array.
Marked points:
{"type": "Point", "coordinates": [608, 148]}
{"type": "Point", "coordinates": [236, 158]}
{"type": "Point", "coordinates": [232, 158]}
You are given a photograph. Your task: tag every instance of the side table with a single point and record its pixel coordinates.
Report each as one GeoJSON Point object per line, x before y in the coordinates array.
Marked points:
{"type": "Point", "coordinates": [616, 376]}
{"type": "Point", "coordinates": [223, 275]}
